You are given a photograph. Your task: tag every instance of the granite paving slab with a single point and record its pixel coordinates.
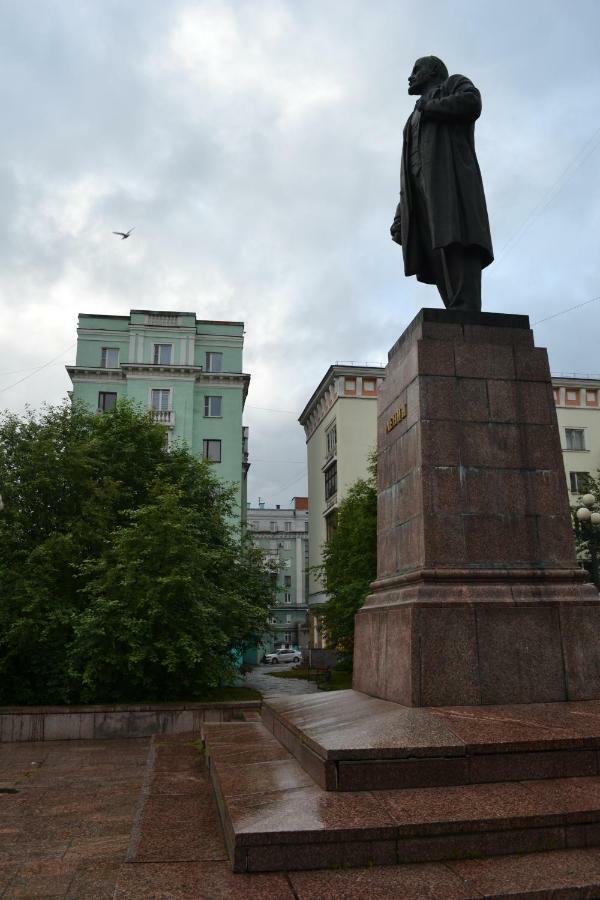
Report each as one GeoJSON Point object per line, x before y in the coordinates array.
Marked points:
{"type": "Point", "coordinates": [274, 819]}
{"type": "Point", "coordinates": [80, 866]}
{"type": "Point", "coordinates": [351, 741]}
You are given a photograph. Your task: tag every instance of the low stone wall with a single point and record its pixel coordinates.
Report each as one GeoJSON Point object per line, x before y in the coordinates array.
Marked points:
{"type": "Point", "coordinates": [65, 723]}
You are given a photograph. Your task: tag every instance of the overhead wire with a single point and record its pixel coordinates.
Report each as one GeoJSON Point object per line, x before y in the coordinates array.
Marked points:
{"type": "Point", "coordinates": [563, 311]}
{"type": "Point", "coordinates": [39, 369]}
{"type": "Point", "coordinates": [584, 153]}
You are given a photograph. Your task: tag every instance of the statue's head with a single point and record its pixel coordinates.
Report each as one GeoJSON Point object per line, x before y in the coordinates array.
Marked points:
{"type": "Point", "coordinates": [427, 72]}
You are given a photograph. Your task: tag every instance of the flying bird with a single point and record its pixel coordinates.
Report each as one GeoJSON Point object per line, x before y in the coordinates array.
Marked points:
{"type": "Point", "coordinates": [124, 234]}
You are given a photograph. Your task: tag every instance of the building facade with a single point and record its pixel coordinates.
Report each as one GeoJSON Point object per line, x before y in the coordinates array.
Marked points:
{"type": "Point", "coordinates": [188, 371]}
{"type": "Point", "coordinates": [340, 425]}
{"type": "Point", "coordinates": [578, 412]}
{"type": "Point", "coordinates": [283, 535]}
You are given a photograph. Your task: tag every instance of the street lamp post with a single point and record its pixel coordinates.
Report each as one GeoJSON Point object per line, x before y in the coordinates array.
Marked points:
{"type": "Point", "coordinates": [589, 521]}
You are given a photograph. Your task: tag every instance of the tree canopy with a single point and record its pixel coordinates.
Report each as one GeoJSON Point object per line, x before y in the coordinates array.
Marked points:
{"type": "Point", "coordinates": [120, 576]}
{"type": "Point", "coordinates": [350, 563]}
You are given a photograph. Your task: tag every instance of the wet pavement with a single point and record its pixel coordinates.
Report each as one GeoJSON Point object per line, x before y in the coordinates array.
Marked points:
{"type": "Point", "coordinates": [136, 819]}
{"type": "Point", "coordinates": [261, 679]}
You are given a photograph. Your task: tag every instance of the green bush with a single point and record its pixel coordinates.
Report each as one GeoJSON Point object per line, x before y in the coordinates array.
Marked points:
{"type": "Point", "coordinates": [120, 577]}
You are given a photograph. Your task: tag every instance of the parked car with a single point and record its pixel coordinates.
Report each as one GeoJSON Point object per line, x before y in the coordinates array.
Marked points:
{"type": "Point", "coordinates": [282, 656]}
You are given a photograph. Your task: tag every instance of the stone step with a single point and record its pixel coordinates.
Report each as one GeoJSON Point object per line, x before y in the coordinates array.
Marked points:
{"type": "Point", "coordinates": [349, 741]}
{"type": "Point", "coordinates": [557, 875]}
{"type": "Point", "coordinates": [275, 818]}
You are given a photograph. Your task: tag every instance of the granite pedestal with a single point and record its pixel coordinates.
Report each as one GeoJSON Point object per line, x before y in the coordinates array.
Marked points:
{"type": "Point", "coordinates": [473, 728]}
{"type": "Point", "coordinates": [478, 598]}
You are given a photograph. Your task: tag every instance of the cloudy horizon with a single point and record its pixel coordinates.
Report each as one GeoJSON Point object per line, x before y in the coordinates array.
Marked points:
{"type": "Point", "coordinates": [255, 147]}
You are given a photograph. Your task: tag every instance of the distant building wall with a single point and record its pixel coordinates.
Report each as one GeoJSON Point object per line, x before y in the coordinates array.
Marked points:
{"type": "Point", "coordinates": [283, 535]}
{"type": "Point", "coordinates": [188, 371]}
{"type": "Point", "coordinates": [340, 424]}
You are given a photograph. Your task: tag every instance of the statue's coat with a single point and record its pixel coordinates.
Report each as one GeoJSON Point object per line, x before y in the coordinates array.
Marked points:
{"type": "Point", "coordinates": [451, 177]}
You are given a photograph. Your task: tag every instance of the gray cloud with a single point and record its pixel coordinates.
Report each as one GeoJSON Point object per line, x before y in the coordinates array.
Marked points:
{"type": "Point", "coordinates": [255, 147]}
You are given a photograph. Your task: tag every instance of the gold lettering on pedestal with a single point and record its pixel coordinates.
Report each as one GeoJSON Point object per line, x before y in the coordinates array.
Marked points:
{"type": "Point", "coordinates": [398, 416]}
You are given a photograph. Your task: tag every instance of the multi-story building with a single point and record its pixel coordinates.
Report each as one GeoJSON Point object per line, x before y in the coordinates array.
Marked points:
{"type": "Point", "coordinates": [283, 535]}
{"type": "Point", "coordinates": [341, 430]}
{"type": "Point", "coordinates": [188, 371]}
{"type": "Point", "coordinates": [578, 412]}
{"type": "Point", "coordinates": [340, 424]}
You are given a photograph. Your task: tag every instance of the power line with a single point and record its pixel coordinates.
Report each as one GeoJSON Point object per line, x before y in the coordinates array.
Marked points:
{"type": "Point", "coordinates": [294, 462]}
{"type": "Point", "coordinates": [586, 151]}
{"type": "Point", "coordinates": [286, 486]}
{"type": "Point", "coordinates": [292, 412]}
{"type": "Point", "coordinates": [563, 311]}
{"type": "Point", "coordinates": [39, 369]}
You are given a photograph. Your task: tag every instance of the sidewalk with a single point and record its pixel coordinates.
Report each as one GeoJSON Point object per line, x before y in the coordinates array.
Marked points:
{"type": "Point", "coordinates": [260, 679]}
{"type": "Point", "coordinates": [135, 820]}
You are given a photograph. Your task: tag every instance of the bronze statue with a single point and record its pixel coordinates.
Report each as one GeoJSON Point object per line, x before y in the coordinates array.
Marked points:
{"type": "Point", "coordinates": [441, 220]}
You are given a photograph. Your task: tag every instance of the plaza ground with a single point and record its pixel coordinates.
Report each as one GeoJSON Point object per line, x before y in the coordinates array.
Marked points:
{"type": "Point", "coordinates": [136, 819]}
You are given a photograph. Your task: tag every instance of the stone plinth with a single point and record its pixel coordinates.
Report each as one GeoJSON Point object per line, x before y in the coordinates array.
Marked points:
{"type": "Point", "coordinates": [478, 597]}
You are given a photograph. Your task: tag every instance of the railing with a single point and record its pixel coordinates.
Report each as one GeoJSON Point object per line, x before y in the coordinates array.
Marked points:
{"type": "Point", "coordinates": [331, 501]}
{"type": "Point", "coordinates": [163, 416]}
{"type": "Point", "coordinates": [361, 365]}
{"type": "Point", "coordinates": [167, 321]}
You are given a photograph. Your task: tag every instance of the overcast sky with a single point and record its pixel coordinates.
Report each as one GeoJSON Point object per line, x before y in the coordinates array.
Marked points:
{"type": "Point", "coordinates": [255, 148]}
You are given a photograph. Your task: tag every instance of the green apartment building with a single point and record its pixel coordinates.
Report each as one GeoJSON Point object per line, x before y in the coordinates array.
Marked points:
{"type": "Point", "coordinates": [188, 371]}
{"type": "Point", "coordinates": [283, 535]}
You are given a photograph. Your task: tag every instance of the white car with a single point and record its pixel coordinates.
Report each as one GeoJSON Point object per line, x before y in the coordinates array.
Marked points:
{"type": "Point", "coordinates": [282, 656]}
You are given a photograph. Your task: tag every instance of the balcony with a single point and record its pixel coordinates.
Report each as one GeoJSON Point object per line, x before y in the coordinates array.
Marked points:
{"type": "Point", "coordinates": [330, 503]}
{"type": "Point", "coordinates": [164, 417]}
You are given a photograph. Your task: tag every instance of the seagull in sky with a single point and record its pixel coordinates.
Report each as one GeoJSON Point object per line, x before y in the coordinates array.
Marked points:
{"type": "Point", "coordinates": [124, 234]}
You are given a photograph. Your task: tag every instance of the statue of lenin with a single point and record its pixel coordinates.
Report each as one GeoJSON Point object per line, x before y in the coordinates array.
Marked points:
{"type": "Point", "coordinates": [441, 220]}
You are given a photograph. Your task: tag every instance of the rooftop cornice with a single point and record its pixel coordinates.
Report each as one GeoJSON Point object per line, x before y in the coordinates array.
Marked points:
{"type": "Point", "coordinates": [95, 373]}
{"type": "Point", "coordinates": [332, 373]}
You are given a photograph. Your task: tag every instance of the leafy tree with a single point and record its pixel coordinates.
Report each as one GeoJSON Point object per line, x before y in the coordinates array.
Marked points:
{"type": "Point", "coordinates": [120, 578]}
{"type": "Point", "coordinates": [350, 563]}
{"type": "Point", "coordinates": [587, 536]}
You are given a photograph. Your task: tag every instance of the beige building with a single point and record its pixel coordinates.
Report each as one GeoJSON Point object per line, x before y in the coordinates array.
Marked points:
{"type": "Point", "coordinates": [578, 412]}
{"type": "Point", "coordinates": [340, 424]}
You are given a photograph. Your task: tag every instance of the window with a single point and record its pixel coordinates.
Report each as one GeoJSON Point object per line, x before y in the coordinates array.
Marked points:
{"type": "Point", "coordinates": [211, 450]}
{"type": "Point", "coordinates": [331, 441]}
{"type": "Point", "coordinates": [369, 385]}
{"type": "Point", "coordinates": [572, 397]}
{"type": "Point", "coordinates": [578, 482]}
{"type": "Point", "coordinates": [214, 362]}
{"type": "Point", "coordinates": [212, 406]}
{"type": "Point", "coordinates": [110, 358]}
{"type": "Point", "coordinates": [287, 580]}
{"type": "Point", "coordinates": [287, 526]}
{"type": "Point", "coordinates": [107, 400]}
{"type": "Point", "coordinates": [591, 397]}
{"type": "Point", "coordinates": [273, 545]}
{"type": "Point", "coordinates": [288, 619]}
{"type": "Point", "coordinates": [331, 481]}
{"type": "Point", "coordinates": [556, 392]}
{"type": "Point", "coordinates": [575, 438]}
{"type": "Point", "coordinates": [330, 525]}
{"type": "Point", "coordinates": [287, 637]}
{"type": "Point", "coordinates": [273, 526]}
{"type": "Point", "coordinates": [160, 398]}
{"type": "Point", "coordinates": [306, 524]}
{"type": "Point", "coordinates": [350, 385]}
{"type": "Point", "coordinates": [287, 597]}
{"type": "Point", "coordinates": [162, 354]}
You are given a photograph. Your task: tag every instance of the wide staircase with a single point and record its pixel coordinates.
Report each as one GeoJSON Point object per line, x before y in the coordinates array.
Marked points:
{"type": "Point", "coordinates": [338, 780]}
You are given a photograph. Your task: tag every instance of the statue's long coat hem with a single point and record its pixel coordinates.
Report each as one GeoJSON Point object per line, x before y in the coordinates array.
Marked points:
{"type": "Point", "coordinates": [451, 177]}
